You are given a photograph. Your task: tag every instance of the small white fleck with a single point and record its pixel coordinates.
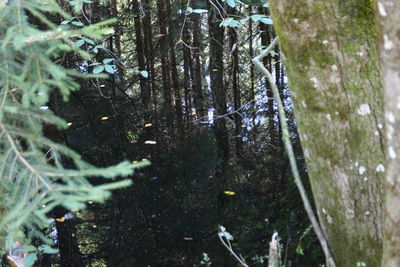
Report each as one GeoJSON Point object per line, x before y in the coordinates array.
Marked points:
{"type": "Point", "coordinates": [324, 211]}
{"type": "Point", "coordinates": [303, 103]}
{"type": "Point", "coordinates": [390, 117]}
{"type": "Point", "coordinates": [389, 132]}
{"type": "Point", "coordinates": [361, 53]}
{"type": "Point", "coordinates": [306, 153]}
{"type": "Point", "coordinates": [329, 219]}
{"type": "Point", "coordinates": [380, 168]}
{"type": "Point", "coordinates": [334, 68]}
{"type": "Point", "coordinates": [376, 133]}
{"type": "Point", "coordinates": [387, 44]}
{"type": "Point", "coordinates": [392, 154]}
{"type": "Point", "coordinates": [149, 142]}
{"type": "Point", "coordinates": [345, 140]}
{"type": "Point", "coordinates": [398, 105]}
{"type": "Point", "coordinates": [382, 10]}
{"type": "Point", "coordinates": [296, 20]}
{"type": "Point", "coordinates": [328, 116]}
{"type": "Point", "coordinates": [363, 110]}
{"type": "Point", "coordinates": [325, 42]}
{"type": "Point", "coordinates": [361, 170]}
{"type": "Point", "coordinates": [367, 213]}
{"type": "Point", "coordinates": [380, 126]}
{"type": "Point", "coordinates": [356, 164]}
{"type": "Point", "coordinates": [315, 81]}
{"type": "Point", "coordinates": [365, 179]}
{"type": "Point", "coordinates": [336, 113]}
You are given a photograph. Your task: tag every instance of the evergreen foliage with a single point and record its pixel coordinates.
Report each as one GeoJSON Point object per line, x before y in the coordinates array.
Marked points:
{"type": "Point", "coordinates": [37, 173]}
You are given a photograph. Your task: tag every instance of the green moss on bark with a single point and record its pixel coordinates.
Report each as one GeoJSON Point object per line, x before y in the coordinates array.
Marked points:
{"type": "Point", "coordinates": [332, 63]}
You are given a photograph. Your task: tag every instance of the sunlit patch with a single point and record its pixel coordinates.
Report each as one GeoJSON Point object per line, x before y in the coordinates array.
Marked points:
{"type": "Point", "coordinates": [69, 123]}
{"type": "Point", "coordinates": [104, 118]}
{"type": "Point", "coordinates": [148, 125]}
{"type": "Point", "coordinates": [60, 219]}
{"type": "Point", "coordinates": [149, 142]}
{"type": "Point", "coordinates": [230, 193]}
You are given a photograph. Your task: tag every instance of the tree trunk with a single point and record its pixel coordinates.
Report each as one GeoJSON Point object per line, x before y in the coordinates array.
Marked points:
{"type": "Point", "coordinates": [149, 50]}
{"type": "Point", "coordinates": [217, 87]}
{"type": "Point", "coordinates": [197, 84]}
{"type": "Point", "coordinates": [390, 54]}
{"type": "Point", "coordinates": [332, 61]}
{"type": "Point", "coordinates": [166, 79]}
{"type": "Point", "coordinates": [144, 88]}
{"type": "Point", "coordinates": [176, 85]}
{"type": "Point", "coordinates": [234, 48]}
{"type": "Point", "coordinates": [252, 77]}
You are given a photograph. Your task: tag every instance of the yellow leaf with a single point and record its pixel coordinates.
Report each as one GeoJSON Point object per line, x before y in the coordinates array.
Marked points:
{"type": "Point", "coordinates": [148, 125]}
{"type": "Point", "coordinates": [60, 219]}
{"type": "Point", "coordinates": [230, 193]}
{"type": "Point", "coordinates": [69, 123]}
{"type": "Point", "coordinates": [104, 118]}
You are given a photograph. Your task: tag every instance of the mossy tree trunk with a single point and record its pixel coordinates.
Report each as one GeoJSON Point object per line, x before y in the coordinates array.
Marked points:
{"type": "Point", "coordinates": [332, 62]}
{"type": "Point", "coordinates": [388, 15]}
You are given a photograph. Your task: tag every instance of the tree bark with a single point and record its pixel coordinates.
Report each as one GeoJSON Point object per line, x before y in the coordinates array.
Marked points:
{"type": "Point", "coordinates": [216, 66]}
{"type": "Point", "coordinates": [388, 16]}
{"type": "Point", "coordinates": [234, 48]}
{"type": "Point", "coordinates": [332, 60]}
{"type": "Point", "coordinates": [166, 79]}
{"type": "Point", "coordinates": [197, 84]}
{"type": "Point", "coordinates": [144, 88]}
{"type": "Point", "coordinates": [176, 85]}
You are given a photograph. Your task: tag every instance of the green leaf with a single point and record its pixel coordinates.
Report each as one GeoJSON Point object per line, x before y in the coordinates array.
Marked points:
{"type": "Point", "coordinates": [233, 23]}
{"type": "Point", "coordinates": [77, 23]}
{"type": "Point", "coordinates": [30, 260]}
{"type": "Point", "coordinates": [107, 60]}
{"type": "Point", "coordinates": [144, 73]}
{"type": "Point", "coordinates": [231, 3]}
{"type": "Point", "coordinates": [79, 43]}
{"type": "Point", "coordinates": [266, 21]}
{"type": "Point", "coordinates": [65, 22]}
{"type": "Point", "coordinates": [244, 20]}
{"type": "Point", "coordinates": [110, 68]}
{"type": "Point", "coordinates": [189, 10]}
{"type": "Point", "coordinates": [257, 17]}
{"type": "Point", "coordinates": [98, 69]}
{"type": "Point", "coordinates": [299, 250]}
{"type": "Point", "coordinates": [47, 249]}
{"type": "Point", "coordinates": [90, 41]}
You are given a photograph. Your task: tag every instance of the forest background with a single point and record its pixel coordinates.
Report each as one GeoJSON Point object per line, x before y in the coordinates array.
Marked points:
{"type": "Point", "coordinates": [182, 93]}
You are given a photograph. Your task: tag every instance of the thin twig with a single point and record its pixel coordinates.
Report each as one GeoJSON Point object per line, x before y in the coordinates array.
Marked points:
{"type": "Point", "coordinates": [289, 149]}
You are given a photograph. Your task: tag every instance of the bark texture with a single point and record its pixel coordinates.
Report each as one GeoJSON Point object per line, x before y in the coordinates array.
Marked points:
{"type": "Point", "coordinates": [332, 62]}
{"type": "Point", "coordinates": [388, 15]}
